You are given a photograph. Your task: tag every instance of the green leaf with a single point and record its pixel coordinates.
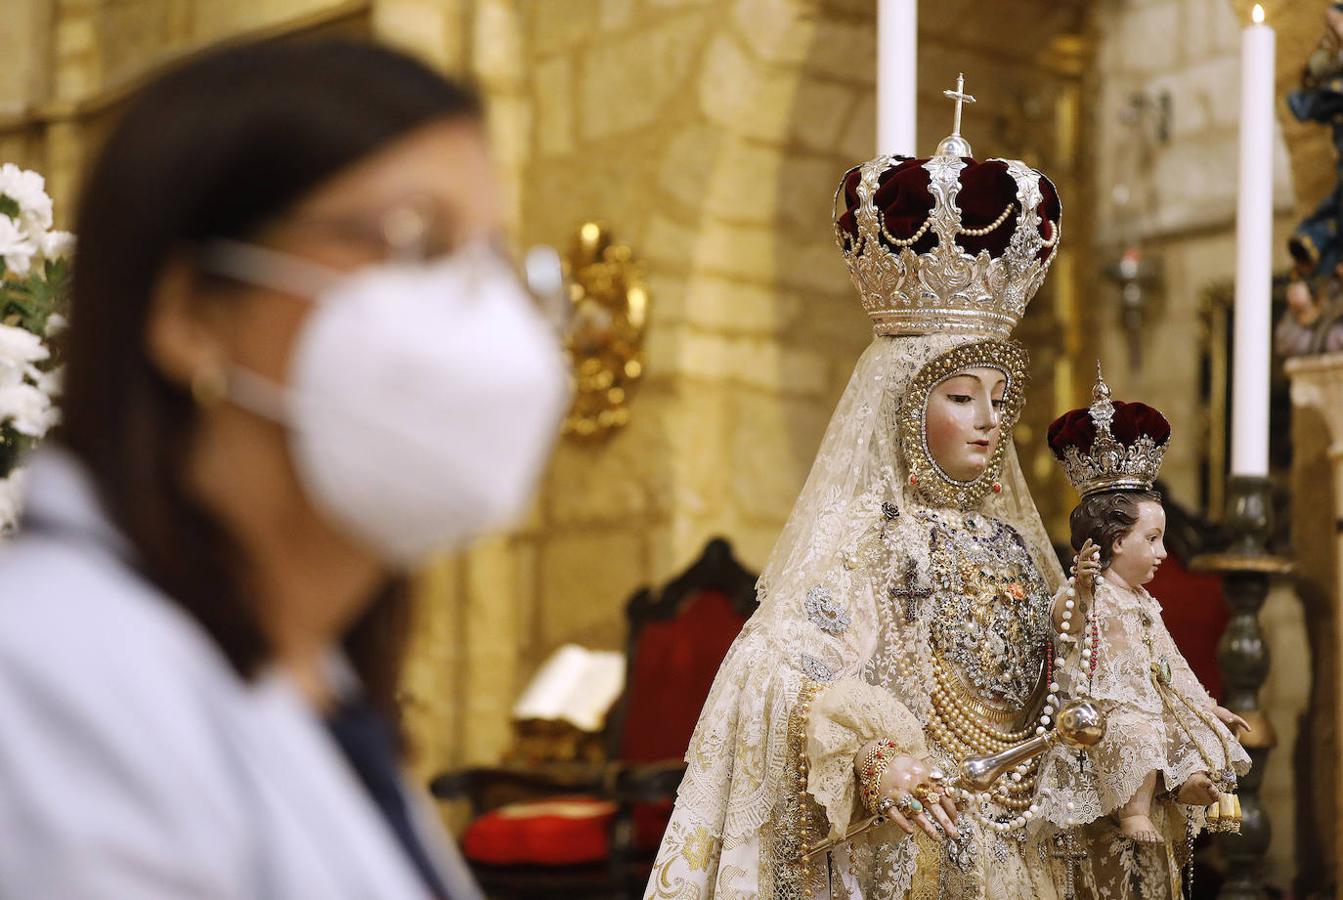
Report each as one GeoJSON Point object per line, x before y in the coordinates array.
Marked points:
{"type": "Point", "coordinates": [12, 447]}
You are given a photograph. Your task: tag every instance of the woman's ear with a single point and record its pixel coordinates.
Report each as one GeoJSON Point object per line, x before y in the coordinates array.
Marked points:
{"type": "Point", "coordinates": [180, 340]}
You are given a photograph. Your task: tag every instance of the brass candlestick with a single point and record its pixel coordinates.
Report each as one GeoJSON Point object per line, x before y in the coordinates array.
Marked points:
{"type": "Point", "coordinates": [1246, 569]}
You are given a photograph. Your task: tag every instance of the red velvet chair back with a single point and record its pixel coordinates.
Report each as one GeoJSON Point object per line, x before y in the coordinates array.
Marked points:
{"type": "Point", "coordinates": [671, 671]}
{"type": "Point", "coordinates": [678, 638]}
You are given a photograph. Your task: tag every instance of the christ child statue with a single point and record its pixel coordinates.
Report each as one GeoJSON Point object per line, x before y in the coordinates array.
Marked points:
{"type": "Point", "coordinates": [1166, 736]}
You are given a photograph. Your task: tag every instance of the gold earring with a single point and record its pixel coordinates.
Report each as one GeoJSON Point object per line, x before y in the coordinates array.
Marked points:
{"type": "Point", "coordinates": [209, 385]}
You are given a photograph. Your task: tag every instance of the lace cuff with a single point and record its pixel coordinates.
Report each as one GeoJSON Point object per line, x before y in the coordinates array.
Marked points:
{"type": "Point", "coordinates": [845, 716]}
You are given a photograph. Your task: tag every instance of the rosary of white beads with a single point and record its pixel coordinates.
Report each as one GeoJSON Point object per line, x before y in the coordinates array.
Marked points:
{"type": "Point", "coordinates": [976, 803]}
{"type": "Point", "coordinates": [1090, 652]}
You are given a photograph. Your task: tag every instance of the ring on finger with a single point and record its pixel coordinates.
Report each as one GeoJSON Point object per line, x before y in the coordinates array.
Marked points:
{"type": "Point", "coordinates": [925, 794]}
{"type": "Point", "coordinates": [884, 807]}
{"type": "Point", "coordinates": [909, 804]}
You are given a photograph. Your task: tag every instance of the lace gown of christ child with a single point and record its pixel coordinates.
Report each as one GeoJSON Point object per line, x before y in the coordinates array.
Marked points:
{"type": "Point", "coordinates": [979, 628]}
{"type": "Point", "coordinates": [1136, 663]}
{"type": "Point", "coordinates": [1159, 719]}
{"type": "Point", "coordinates": [1175, 735]}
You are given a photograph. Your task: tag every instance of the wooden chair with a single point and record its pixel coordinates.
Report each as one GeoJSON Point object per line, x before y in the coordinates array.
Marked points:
{"type": "Point", "coordinates": [677, 638]}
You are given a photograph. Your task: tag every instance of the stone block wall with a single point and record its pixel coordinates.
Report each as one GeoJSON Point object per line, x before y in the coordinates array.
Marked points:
{"type": "Point", "coordinates": [1175, 195]}
{"type": "Point", "coordinates": [711, 142]}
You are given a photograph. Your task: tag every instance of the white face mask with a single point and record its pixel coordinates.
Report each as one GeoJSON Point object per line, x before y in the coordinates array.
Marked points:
{"type": "Point", "coordinates": [423, 399]}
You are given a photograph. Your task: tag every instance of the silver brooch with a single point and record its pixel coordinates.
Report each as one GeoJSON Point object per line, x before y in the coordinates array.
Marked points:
{"type": "Point", "coordinates": [825, 613]}
{"type": "Point", "coordinates": [889, 511]}
{"type": "Point", "coordinates": [816, 670]}
{"type": "Point", "coordinates": [962, 851]}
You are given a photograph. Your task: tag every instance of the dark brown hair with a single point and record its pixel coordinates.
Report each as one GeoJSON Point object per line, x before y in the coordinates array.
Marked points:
{"type": "Point", "coordinates": [216, 148]}
{"type": "Point", "coordinates": [1107, 516]}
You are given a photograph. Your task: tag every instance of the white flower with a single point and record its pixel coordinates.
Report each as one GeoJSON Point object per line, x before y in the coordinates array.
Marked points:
{"type": "Point", "coordinates": [20, 347]}
{"type": "Point", "coordinates": [56, 323]}
{"type": "Point", "coordinates": [27, 409]}
{"type": "Point", "coordinates": [51, 383]}
{"type": "Point", "coordinates": [27, 189]}
{"type": "Point", "coordinates": [16, 248]}
{"type": "Point", "coordinates": [57, 244]}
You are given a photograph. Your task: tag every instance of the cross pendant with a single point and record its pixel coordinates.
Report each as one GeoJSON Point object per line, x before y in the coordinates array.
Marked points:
{"type": "Point", "coordinates": [1070, 855]}
{"type": "Point", "coordinates": [911, 594]}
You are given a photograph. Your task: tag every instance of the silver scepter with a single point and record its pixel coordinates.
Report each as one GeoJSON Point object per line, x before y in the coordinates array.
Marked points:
{"type": "Point", "coordinates": [1079, 724]}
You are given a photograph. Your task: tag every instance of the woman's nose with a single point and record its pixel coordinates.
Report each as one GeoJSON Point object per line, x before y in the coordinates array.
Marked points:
{"type": "Point", "coordinates": [986, 417]}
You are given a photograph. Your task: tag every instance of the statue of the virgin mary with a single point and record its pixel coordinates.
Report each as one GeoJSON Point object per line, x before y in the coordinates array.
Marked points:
{"type": "Point", "coordinates": [905, 611]}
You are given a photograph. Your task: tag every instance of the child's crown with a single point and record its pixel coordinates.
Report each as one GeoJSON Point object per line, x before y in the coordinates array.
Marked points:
{"type": "Point", "coordinates": [1111, 445]}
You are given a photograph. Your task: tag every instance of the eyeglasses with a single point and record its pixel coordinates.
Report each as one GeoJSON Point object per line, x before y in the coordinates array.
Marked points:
{"type": "Point", "coordinates": [412, 232]}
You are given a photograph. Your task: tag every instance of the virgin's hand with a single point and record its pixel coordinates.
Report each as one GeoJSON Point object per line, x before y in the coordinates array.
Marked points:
{"type": "Point", "coordinates": [1198, 790]}
{"type": "Point", "coordinates": [902, 777]}
{"type": "Point", "coordinates": [1233, 722]}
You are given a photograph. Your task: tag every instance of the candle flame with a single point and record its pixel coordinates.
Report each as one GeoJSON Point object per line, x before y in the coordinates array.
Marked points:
{"type": "Point", "coordinates": [1258, 14]}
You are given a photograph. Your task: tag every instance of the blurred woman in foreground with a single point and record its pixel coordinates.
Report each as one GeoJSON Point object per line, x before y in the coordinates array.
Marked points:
{"type": "Point", "coordinates": [297, 365]}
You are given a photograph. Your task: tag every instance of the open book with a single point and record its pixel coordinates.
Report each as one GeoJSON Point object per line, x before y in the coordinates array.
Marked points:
{"type": "Point", "coordinates": [575, 685]}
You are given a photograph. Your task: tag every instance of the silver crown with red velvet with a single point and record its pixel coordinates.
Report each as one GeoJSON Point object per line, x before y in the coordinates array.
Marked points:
{"type": "Point", "coordinates": [947, 287]}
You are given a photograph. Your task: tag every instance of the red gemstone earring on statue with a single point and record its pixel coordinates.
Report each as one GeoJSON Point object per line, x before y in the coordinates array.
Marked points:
{"type": "Point", "coordinates": [997, 488]}
{"type": "Point", "coordinates": [913, 479]}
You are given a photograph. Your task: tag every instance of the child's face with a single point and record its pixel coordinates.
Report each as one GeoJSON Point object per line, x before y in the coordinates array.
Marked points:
{"type": "Point", "coordinates": [1138, 553]}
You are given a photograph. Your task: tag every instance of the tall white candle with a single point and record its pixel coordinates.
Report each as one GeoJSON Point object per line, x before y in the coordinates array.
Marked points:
{"type": "Point", "coordinates": [1254, 252]}
{"type": "Point", "coordinates": [897, 76]}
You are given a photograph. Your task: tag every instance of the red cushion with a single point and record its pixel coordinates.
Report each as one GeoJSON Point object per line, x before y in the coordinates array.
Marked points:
{"type": "Point", "coordinates": [557, 832]}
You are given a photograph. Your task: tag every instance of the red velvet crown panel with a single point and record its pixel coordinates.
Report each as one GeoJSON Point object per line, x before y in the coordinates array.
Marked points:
{"type": "Point", "coordinates": [1131, 420]}
{"type": "Point", "coordinates": [905, 201]}
{"type": "Point", "coordinates": [1072, 429]}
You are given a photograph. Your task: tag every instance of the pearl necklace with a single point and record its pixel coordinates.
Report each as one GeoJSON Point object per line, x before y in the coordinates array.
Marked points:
{"type": "Point", "coordinates": [957, 724]}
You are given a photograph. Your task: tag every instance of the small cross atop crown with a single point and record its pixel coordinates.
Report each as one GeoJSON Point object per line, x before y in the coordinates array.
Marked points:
{"type": "Point", "coordinates": [954, 144]}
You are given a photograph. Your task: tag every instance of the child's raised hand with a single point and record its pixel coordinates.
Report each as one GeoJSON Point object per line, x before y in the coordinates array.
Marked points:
{"type": "Point", "coordinates": [1086, 567]}
{"type": "Point", "coordinates": [1235, 723]}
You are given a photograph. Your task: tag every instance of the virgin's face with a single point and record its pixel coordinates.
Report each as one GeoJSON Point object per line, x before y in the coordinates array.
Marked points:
{"type": "Point", "coordinates": [964, 421]}
{"type": "Point", "coordinates": [1138, 554]}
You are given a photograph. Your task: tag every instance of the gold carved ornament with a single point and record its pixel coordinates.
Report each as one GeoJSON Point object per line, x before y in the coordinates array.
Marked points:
{"type": "Point", "coordinates": [609, 316]}
{"type": "Point", "coordinates": [926, 476]}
